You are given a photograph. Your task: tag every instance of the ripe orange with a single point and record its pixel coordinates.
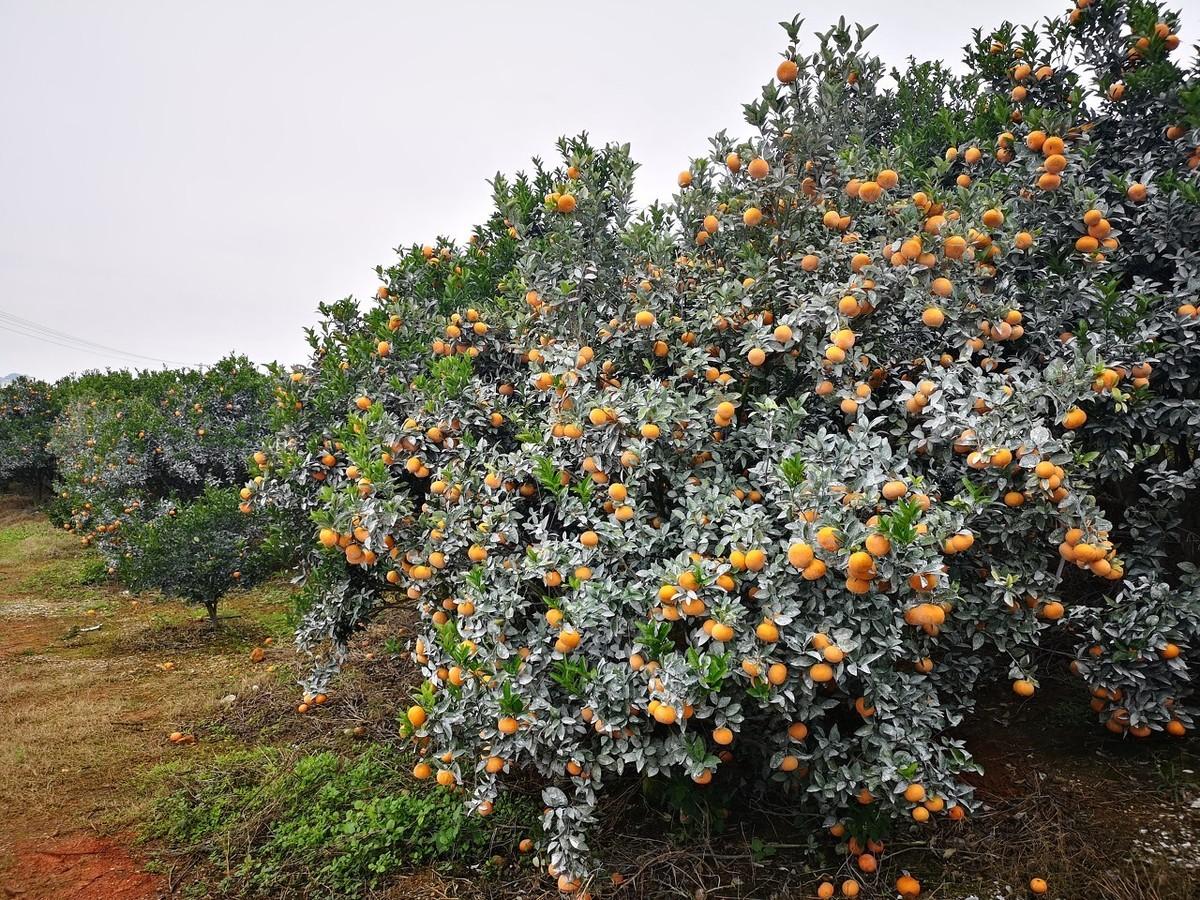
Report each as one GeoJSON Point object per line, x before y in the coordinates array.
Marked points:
{"type": "Point", "coordinates": [821, 673]}
{"type": "Point", "coordinates": [665, 714]}
{"type": "Point", "coordinates": [933, 317]}
{"type": "Point", "coordinates": [1075, 418]}
{"type": "Point", "coordinates": [800, 555]}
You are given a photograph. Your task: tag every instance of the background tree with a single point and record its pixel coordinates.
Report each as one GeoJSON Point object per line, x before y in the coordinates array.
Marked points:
{"type": "Point", "coordinates": [207, 549]}
{"type": "Point", "coordinates": [28, 408]}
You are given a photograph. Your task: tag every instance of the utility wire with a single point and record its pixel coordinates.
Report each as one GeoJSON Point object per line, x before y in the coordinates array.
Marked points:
{"type": "Point", "coordinates": [30, 325]}
{"type": "Point", "coordinates": [79, 348]}
{"type": "Point", "coordinates": [28, 328]}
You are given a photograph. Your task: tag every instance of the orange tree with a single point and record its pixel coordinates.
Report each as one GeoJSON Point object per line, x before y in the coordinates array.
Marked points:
{"type": "Point", "coordinates": [28, 408]}
{"type": "Point", "coordinates": [134, 447]}
{"type": "Point", "coordinates": [893, 399]}
{"type": "Point", "coordinates": [319, 458]}
{"type": "Point", "coordinates": [209, 547]}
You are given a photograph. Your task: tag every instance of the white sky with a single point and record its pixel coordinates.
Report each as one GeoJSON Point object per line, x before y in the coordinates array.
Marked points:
{"type": "Point", "coordinates": [180, 180]}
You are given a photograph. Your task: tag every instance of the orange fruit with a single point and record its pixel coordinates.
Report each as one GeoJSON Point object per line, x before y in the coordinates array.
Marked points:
{"type": "Point", "coordinates": [933, 317]}
{"type": "Point", "coordinates": [821, 673]}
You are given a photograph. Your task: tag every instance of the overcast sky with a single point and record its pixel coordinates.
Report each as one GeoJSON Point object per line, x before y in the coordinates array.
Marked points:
{"type": "Point", "coordinates": [179, 180]}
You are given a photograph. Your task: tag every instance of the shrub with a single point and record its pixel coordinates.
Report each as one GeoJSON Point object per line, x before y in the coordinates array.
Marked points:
{"type": "Point", "coordinates": [763, 484]}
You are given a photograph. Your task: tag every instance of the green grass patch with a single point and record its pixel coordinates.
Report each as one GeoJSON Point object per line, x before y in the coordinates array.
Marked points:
{"type": "Point", "coordinates": [15, 533]}
{"type": "Point", "coordinates": [62, 578]}
{"type": "Point", "coordinates": [271, 823]}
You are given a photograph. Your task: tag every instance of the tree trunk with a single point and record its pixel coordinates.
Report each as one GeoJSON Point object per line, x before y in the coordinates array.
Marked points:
{"type": "Point", "coordinates": [211, 607]}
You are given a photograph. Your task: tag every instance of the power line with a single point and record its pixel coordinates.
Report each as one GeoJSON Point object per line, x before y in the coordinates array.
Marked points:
{"type": "Point", "coordinates": [28, 324]}
{"type": "Point", "coordinates": [128, 360]}
{"type": "Point", "coordinates": [28, 328]}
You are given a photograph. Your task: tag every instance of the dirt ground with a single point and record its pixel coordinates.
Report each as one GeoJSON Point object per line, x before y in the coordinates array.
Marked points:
{"type": "Point", "coordinates": [95, 680]}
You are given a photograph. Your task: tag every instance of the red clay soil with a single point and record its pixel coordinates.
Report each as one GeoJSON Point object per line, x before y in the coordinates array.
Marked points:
{"type": "Point", "coordinates": [78, 867]}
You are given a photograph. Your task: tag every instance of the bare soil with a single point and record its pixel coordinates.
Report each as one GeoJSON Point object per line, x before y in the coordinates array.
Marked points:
{"type": "Point", "coordinates": [95, 680]}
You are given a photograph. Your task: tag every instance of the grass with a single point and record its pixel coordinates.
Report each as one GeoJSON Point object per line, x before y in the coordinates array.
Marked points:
{"type": "Point", "coordinates": [11, 536]}
{"type": "Point", "coordinates": [330, 824]}
{"type": "Point", "coordinates": [63, 579]}
{"type": "Point", "coordinates": [86, 703]}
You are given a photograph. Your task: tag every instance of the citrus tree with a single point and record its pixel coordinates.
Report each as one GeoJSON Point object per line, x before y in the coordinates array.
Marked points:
{"type": "Point", "coordinates": [27, 411]}
{"type": "Point", "coordinates": [134, 447]}
{"type": "Point", "coordinates": [210, 547]}
{"type": "Point", "coordinates": [760, 486]}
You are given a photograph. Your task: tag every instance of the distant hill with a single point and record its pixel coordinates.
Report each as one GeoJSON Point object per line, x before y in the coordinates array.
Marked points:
{"type": "Point", "coordinates": [11, 376]}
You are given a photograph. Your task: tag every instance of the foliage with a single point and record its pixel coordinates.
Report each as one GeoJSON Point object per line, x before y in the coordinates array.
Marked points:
{"type": "Point", "coordinates": [135, 447]}
{"type": "Point", "coordinates": [319, 822]}
{"type": "Point", "coordinates": [764, 483]}
{"type": "Point", "coordinates": [28, 408]}
{"type": "Point", "coordinates": [208, 548]}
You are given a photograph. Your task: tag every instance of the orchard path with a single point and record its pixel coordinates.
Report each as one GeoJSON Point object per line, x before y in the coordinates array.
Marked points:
{"type": "Point", "coordinates": [87, 705]}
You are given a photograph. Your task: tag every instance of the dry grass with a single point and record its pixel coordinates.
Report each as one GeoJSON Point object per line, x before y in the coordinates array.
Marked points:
{"type": "Point", "coordinates": [86, 703]}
